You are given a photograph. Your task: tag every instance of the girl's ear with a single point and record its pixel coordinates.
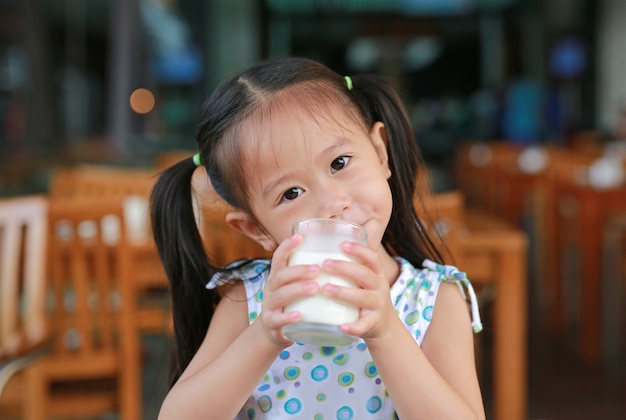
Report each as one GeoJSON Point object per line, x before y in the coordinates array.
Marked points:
{"type": "Point", "coordinates": [378, 134]}
{"type": "Point", "coordinates": [242, 222]}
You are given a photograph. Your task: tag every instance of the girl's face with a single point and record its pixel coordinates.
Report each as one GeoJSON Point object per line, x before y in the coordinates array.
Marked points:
{"type": "Point", "coordinates": [300, 166]}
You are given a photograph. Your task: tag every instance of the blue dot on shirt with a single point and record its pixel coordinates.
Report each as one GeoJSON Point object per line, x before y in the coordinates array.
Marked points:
{"type": "Point", "coordinates": [265, 403]}
{"type": "Point", "coordinates": [292, 373]}
{"type": "Point", "coordinates": [346, 378]}
{"type": "Point", "coordinates": [374, 404]}
{"type": "Point", "coordinates": [319, 373]}
{"type": "Point", "coordinates": [345, 413]}
{"type": "Point", "coordinates": [428, 313]}
{"type": "Point", "coordinates": [371, 370]}
{"type": "Point", "coordinates": [293, 406]}
{"type": "Point", "coordinates": [341, 359]}
{"type": "Point", "coordinates": [327, 351]}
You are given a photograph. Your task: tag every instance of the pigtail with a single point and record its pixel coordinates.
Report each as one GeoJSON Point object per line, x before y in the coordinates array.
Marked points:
{"type": "Point", "coordinates": [405, 234]}
{"type": "Point", "coordinates": [186, 265]}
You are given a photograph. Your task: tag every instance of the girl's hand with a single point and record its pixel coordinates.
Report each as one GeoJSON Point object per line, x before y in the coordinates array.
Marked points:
{"type": "Point", "coordinates": [371, 293]}
{"type": "Point", "coordinates": [284, 285]}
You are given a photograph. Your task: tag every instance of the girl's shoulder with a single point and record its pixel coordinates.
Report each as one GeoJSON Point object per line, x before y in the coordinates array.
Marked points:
{"type": "Point", "coordinates": [415, 290]}
{"type": "Point", "coordinates": [247, 270]}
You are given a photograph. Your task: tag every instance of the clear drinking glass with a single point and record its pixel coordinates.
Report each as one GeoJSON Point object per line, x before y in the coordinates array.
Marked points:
{"type": "Point", "coordinates": [321, 315]}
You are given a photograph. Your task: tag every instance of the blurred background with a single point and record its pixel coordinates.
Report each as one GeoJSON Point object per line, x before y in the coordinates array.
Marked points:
{"type": "Point", "coordinates": [120, 83]}
{"type": "Point", "coordinates": [123, 80]}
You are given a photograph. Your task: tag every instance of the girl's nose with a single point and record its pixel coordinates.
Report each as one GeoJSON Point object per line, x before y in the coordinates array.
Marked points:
{"type": "Point", "coordinates": [335, 200]}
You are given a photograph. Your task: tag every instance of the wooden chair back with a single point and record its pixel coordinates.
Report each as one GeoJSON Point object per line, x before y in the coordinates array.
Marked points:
{"type": "Point", "coordinates": [92, 314]}
{"type": "Point", "coordinates": [475, 166]}
{"type": "Point", "coordinates": [166, 159]}
{"type": "Point", "coordinates": [134, 187]}
{"type": "Point", "coordinates": [95, 181]}
{"type": "Point", "coordinates": [442, 214]}
{"type": "Point", "coordinates": [23, 230]}
{"type": "Point", "coordinates": [222, 243]}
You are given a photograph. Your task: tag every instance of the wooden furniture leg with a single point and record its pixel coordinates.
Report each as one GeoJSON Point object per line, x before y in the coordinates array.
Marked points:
{"type": "Point", "coordinates": [499, 257]}
{"type": "Point", "coordinates": [510, 343]}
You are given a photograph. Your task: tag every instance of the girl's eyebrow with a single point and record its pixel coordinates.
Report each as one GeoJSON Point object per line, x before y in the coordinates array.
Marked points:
{"type": "Point", "coordinates": [270, 186]}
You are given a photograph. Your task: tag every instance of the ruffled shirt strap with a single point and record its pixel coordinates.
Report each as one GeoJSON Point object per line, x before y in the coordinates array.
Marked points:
{"type": "Point", "coordinates": [252, 272]}
{"type": "Point", "coordinates": [248, 270]}
{"type": "Point", "coordinates": [449, 273]}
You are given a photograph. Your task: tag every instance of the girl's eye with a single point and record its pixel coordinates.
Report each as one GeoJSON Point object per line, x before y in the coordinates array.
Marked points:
{"type": "Point", "coordinates": [292, 193]}
{"type": "Point", "coordinates": [339, 163]}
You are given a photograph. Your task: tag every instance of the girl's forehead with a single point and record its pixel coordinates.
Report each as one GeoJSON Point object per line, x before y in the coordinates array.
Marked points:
{"type": "Point", "coordinates": [293, 126]}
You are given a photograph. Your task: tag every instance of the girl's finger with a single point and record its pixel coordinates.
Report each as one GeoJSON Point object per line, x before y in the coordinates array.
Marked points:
{"type": "Point", "coordinates": [284, 249]}
{"type": "Point", "coordinates": [360, 274]}
{"type": "Point", "coordinates": [277, 299]}
{"type": "Point", "coordinates": [291, 274]}
{"type": "Point", "coordinates": [365, 255]}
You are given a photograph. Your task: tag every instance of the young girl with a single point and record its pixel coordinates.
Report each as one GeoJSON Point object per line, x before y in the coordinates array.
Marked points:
{"type": "Point", "coordinates": [287, 140]}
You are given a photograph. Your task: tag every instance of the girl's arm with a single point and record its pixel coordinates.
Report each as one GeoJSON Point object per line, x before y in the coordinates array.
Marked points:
{"type": "Point", "coordinates": [437, 380]}
{"type": "Point", "coordinates": [234, 356]}
{"type": "Point", "coordinates": [230, 362]}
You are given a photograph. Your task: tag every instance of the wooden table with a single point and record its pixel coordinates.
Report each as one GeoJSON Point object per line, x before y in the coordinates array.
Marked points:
{"type": "Point", "coordinates": [495, 253]}
{"type": "Point", "coordinates": [586, 209]}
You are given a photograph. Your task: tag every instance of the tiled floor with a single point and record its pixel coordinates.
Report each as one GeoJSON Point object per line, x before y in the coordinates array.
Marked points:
{"type": "Point", "coordinates": [156, 355]}
{"type": "Point", "coordinates": [560, 387]}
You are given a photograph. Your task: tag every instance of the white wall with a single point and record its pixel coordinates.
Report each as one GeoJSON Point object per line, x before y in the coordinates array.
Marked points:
{"type": "Point", "coordinates": [611, 63]}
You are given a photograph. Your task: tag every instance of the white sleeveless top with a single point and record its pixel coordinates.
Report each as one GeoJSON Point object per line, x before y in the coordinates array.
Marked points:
{"type": "Point", "coordinates": [328, 383]}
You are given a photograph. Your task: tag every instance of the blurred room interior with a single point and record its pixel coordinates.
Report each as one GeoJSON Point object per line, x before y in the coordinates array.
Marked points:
{"type": "Point", "coordinates": [520, 105]}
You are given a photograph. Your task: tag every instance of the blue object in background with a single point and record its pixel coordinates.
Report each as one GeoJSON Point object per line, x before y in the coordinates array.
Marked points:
{"type": "Point", "coordinates": [181, 66]}
{"type": "Point", "coordinates": [568, 58]}
{"type": "Point", "coordinates": [523, 105]}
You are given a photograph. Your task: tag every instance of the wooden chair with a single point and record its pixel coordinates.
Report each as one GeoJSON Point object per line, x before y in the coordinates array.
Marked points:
{"type": "Point", "coordinates": [476, 165]}
{"type": "Point", "coordinates": [100, 180]}
{"type": "Point", "coordinates": [443, 215]}
{"type": "Point", "coordinates": [166, 159]}
{"type": "Point", "coordinates": [23, 325]}
{"type": "Point", "coordinates": [93, 366]}
{"type": "Point", "coordinates": [222, 244]}
{"type": "Point", "coordinates": [570, 218]}
{"type": "Point", "coordinates": [613, 291]}
{"type": "Point", "coordinates": [134, 187]}
{"type": "Point", "coordinates": [493, 254]}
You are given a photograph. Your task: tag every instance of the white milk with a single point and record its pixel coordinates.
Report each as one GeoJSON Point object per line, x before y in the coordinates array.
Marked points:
{"type": "Point", "coordinates": [320, 308]}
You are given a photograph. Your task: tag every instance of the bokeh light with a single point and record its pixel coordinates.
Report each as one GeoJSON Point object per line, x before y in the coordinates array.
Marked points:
{"type": "Point", "coordinates": [142, 101]}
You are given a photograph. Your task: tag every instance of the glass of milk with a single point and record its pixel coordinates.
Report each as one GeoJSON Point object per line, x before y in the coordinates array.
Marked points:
{"type": "Point", "coordinates": [321, 315]}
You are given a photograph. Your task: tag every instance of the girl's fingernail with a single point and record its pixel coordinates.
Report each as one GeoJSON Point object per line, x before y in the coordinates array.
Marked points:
{"type": "Point", "coordinates": [348, 245]}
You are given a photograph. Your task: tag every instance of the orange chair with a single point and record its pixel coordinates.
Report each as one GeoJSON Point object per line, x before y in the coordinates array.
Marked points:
{"type": "Point", "coordinates": [93, 366]}
{"type": "Point", "coordinates": [134, 186]}
{"type": "Point", "coordinates": [443, 215]}
{"type": "Point", "coordinates": [493, 254]}
{"type": "Point", "coordinates": [23, 325]}
{"type": "Point", "coordinates": [222, 244]}
{"type": "Point", "coordinates": [99, 180]}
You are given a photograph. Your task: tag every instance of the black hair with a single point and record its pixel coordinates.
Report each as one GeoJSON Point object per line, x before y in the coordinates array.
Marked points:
{"type": "Point", "coordinates": [371, 99]}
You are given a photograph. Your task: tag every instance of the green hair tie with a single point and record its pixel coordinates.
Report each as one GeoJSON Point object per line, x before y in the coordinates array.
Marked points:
{"type": "Point", "coordinates": [196, 159]}
{"type": "Point", "coordinates": [348, 81]}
